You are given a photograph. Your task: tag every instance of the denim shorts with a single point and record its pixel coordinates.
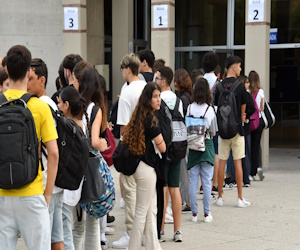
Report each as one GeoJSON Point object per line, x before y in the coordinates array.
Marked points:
{"type": "Point", "coordinates": [56, 222]}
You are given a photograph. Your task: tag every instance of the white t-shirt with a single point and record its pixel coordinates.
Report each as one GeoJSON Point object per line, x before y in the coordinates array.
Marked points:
{"type": "Point", "coordinates": [259, 97]}
{"type": "Point", "coordinates": [198, 110]}
{"type": "Point", "coordinates": [52, 104]}
{"type": "Point", "coordinates": [211, 78]}
{"type": "Point", "coordinates": [128, 100]}
{"type": "Point", "coordinates": [169, 98]}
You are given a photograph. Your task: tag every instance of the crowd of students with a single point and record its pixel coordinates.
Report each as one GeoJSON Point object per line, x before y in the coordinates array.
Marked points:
{"type": "Point", "coordinates": [48, 216]}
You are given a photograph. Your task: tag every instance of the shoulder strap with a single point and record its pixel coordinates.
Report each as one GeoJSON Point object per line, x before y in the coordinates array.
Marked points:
{"type": "Point", "coordinates": [94, 113]}
{"type": "Point", "coordinates": [177, 104]}
{"type": "Point", "coordinates": [235, 85]}
{"type": "Point", "coordinates": [206, 110]}
{"type": "Point", "coordinates": [2, 98]}
{"type": "Point", "coordinates": [255, 94]}
{"type": "Point", "coordinates": [26, 97]}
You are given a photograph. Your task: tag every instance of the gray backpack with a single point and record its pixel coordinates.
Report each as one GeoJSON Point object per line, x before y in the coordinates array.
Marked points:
{"type": "Point", "coordinates": [227, 114]}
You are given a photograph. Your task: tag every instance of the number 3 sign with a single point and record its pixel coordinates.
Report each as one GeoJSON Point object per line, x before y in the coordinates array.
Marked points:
{"type": "Point", "coordinates": [160, 16]}
{"type": "Point", "coordinates": [71, 18]}
{"type": "Point", "coordinates": [256, 11]}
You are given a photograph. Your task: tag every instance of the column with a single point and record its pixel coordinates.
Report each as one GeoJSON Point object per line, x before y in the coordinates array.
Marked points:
{"type": "Point", "coordinates": [74, 28]}
{"type": "Point", "coordinates": [257, 53]}
{"type": "Point", "coordinates": [163, 30]}
{"type": "Point", "coordinates": [122, 39]}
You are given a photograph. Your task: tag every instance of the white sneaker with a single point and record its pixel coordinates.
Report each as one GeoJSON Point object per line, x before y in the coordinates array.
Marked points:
{"type": "Point", "coordinates": [252, 178]}
{"type": "Point", "coordinates": [168, 219]}
{"type": "Point", "coordinates": [121, 243]}
{"type": "Point", "coordinates": [219, 202]}
{"type": "Point", "coordinates": [144, 241]}
{"type": "Point", "coordinates": [243, 203]}
{"type": "Point", "coordinates": [260, 174]}
{"type": "Point", "coordinates": [169, 211]}
{"type": "Point", "coordinates": [122, 203]}
{"type": "Point", "coordinates": [194, 218]}
{"type": "Point", "coordinates": [104, 244]}
{"type": "Point", "coordinates": [109, 230]}
{"type": "Point", "coordinates": [208, 218]}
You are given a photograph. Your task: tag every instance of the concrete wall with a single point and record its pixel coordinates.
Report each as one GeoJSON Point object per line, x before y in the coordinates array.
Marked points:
{"type": "Point", "coordinates": [38, 25]}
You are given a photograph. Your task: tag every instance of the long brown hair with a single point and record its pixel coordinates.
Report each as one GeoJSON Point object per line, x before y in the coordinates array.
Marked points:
{"type": "Point", "coordinates": [134, 134]}
{"type": "Point", "coordinates": [183, 81]}
{"type": "Point", "coordinates": [254, 81]}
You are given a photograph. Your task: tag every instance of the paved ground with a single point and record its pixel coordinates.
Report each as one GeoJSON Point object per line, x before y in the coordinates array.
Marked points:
{"type": "Point", "coordinates": [272, 222]}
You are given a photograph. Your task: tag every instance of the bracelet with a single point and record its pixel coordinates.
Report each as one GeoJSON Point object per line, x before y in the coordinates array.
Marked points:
{"type": "Point", "coordinates": [160, 143]}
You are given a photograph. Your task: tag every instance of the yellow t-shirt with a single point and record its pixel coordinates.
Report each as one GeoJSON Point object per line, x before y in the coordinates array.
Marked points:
{"type": "Point", "coordinates": [45, 129]}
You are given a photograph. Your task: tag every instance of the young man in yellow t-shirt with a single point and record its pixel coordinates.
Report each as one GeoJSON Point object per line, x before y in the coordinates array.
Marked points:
{"type": "Point", "coordinates": [25, 209]}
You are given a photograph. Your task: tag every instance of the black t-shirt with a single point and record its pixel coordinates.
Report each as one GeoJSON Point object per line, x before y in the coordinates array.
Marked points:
{"type": "Point", "coordinates": [148, 76]}
{"type": "Point", "coordinates": [250, 109]}
{"type": "Point", "coordinates": [240, 97]}
{"type": "Point", "coordinates": [151, 131]}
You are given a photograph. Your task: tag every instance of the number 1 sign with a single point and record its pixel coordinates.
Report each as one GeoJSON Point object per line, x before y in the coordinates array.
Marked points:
{"type": "Point", "coordinates": [160, 16]}
{"type": "Point", "coordinates": [256, 11]}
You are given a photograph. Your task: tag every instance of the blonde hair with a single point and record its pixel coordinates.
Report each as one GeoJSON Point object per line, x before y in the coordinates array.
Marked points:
{"type": "Point", "coordinates": [131, 61]}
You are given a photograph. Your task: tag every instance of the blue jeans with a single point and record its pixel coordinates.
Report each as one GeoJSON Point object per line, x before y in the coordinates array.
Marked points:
{"type": "Point", "coordinates": [67, 225]}
{"type": "Point", "coordinates": [28, 215]}
{"type": "Point", "coordinates": [207, 171]}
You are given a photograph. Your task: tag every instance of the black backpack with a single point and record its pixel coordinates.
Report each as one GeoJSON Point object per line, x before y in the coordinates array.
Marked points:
{"type": "Point", "coordinates": [19, 160]}
{"type": "Point", "coordinates": [164, 118]}
{"type": "Point", "coordinates": [177, 149]}
{"type": "Point", "coordinates": [73, 147]}
{"type": "Point", "coordinates": [227, 114]}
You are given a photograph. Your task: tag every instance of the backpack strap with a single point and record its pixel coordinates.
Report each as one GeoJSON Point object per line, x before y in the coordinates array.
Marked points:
{"type": "Point", "coordinates": [26, 97]}
{"type": "Point", "coordinates": [94, 113]}
{"type": "Point", "coordinates": [177, 104]}
{"type": "Point", "coordinates": [2, 98]}
{"type": "Point", "coordinates": [235, 85]}
{"type": "Point", "coordinates": [206, 110]}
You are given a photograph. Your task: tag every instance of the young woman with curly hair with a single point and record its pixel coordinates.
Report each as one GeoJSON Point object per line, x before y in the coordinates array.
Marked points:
{"type": "Point", "coordinates": [143, 135]}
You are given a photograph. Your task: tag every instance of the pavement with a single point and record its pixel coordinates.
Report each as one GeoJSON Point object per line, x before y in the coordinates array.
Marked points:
{"type": "Point", "coordinates": [271, 222]}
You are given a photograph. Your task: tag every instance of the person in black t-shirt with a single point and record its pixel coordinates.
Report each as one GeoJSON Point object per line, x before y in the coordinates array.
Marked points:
{"type": "Point", "coordinates": [144, 138]}
{"type": "Point", "coordinates": [147, 59]}
{"type": "Point", "coordinates": [237, 143]}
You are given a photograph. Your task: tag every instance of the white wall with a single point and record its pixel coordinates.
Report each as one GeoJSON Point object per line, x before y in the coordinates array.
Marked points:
{"type": "Point", "coordinates": [38, 25]}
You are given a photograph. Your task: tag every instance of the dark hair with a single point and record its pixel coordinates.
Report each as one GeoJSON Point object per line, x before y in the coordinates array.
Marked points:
{"type": "Point", "coordinates": [210, 61]}
{"type": "Point", "coordinates": [79, 67]}
{"type": "Point", "coordinates": [166, 73]}
{"type": "Point", "coordinates": [134, 133]}
{"type": "Point", "coordinates": [254, 81]}
{"type": "Point", "coordinates": [70, 61]}
{"type": "Point", "coordinates": [62, 78]}
{"type": "Point", "coordinates": [183, 81]}
{"type": "Point", "coordinates": [3, 76]}
{"type": "Point", "coordinates": [90, 88]}
{"type": "Point", "coordinates": [40, 68]}
{"type": "Point", "coordinates": [232, 60]}
{"type": "Point", "coordinates": [243, 79]}
{"type": "Point", "coordinates": [201, 92]}
{"type": "Point", "coordinates": [57, 83]}
{"type": "Point", "coordinates": [217, 70]}
{"type": "Point", "coordinates": [18, 62]}
{"type": "Point", "coordinates": [196, 73]}
{"type": "Point", "coordinates": [158, 63]}
{"type": "Point", "coordinates": [77, 103]}
{"type": "Point", "coordinates": [147, 55]}
{"type": "Point", "coordinates": [4, 62]}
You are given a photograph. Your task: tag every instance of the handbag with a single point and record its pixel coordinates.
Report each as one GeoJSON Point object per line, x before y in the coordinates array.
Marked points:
{"type": "Point", "coordinates": [267, 115]}
{"type": "Point", "coordinates": [124, 161]}
{"type": "Point", "coordinates": [196, 132]}
{"type": "Point", "coordinates": [111, 143]}
{"type": "Point", "coordinates": [93, 185]}
{"type": "Point", "coordinates": [254, 118]}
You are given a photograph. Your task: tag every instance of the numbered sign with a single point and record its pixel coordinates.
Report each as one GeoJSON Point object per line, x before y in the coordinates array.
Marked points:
{"type": "Point", "coordinates": [71, 18]}
{"type": "Point", "coordinates": [160, 15]}
{"type": "Point", "coordinates": [256, 11]}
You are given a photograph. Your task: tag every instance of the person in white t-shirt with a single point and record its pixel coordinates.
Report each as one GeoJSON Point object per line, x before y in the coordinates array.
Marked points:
{"type": "Point", "coordinates": [128, 100]}
{"type": "Point", "coordinates": [164, 77]}
{"type": "Point", "coordinates": [255, 89]}
{"type": "Point", "coordinates": [37, 85]}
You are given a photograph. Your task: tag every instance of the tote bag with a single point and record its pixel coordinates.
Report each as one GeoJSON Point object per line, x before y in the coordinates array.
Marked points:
{"type": "Point", "coordinates": [267, 115]}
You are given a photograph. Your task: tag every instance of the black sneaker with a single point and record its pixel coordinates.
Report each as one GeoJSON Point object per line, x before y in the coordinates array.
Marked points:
{"type": "Point", "coordinates": [110, 219]}
{"type": "Point", "coordinates": [214, 189]}
{"type": "Point", "coordinates": [201, 190]}
{"type": "Point", "coordinates": [185, 208]}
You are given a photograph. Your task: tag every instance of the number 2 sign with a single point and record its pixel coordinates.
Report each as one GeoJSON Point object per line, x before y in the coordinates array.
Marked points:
{"type": "Point", "coordinates": [160, 16]}
{"type": "Point", "coordinates": [256, 11]}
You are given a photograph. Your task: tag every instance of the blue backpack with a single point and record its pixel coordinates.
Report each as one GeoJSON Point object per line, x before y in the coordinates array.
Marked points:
{"type": "Point", "coordinates": [106, 202]}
